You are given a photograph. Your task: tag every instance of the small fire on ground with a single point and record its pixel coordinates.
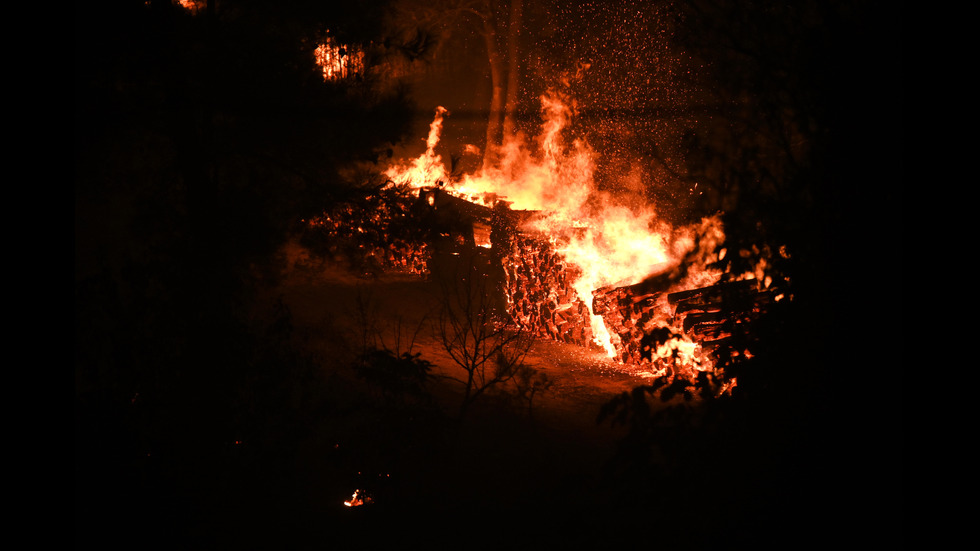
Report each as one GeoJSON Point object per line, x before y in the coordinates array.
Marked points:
{"type": "Point", "coordinates": [357, 499]}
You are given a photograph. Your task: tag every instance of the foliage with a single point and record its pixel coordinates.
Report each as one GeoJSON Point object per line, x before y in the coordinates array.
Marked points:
{"type": "Point", "coordinates": [530, 383]}
{"type": "Point", "coordinates": [198, 141]}
{"type": "Point", "coordinates": [396, 375]}
{"type": "Point", "coordinates": [802, 155]}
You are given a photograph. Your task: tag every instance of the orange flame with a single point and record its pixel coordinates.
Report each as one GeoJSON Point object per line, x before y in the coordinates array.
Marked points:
{"type": "Point", "coordinates": [357, 499]}
{"type": "Point", "coordinates": [427, 170]}
{"type": "Point", "coordinates": [193, 6]}
{"type": "Point", "coordinates": [552, 178]}
{"type": "Point", "coordinates": [609, 242]}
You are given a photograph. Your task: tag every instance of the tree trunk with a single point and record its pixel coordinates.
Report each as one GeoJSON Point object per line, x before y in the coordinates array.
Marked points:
{"type": "Point", "coordinates": [514, 67]}
{"type": "Point", "coordinates": [494, 122]}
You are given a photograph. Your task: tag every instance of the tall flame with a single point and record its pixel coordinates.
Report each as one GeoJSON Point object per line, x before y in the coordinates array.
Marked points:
{"type": "Point", "coordinates": [552, 178]}
{"type": "Point", "coordinates": [427, 170]}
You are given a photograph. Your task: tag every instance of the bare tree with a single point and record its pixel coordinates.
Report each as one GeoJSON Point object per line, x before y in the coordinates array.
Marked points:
{"type": "Point", "coordinates": [488, 351]}
{"type": "Point", "coordinates": [385, 360]}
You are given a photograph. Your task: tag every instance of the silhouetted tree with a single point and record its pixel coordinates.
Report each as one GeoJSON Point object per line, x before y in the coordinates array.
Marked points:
{"type": "Point", "coordinates": [488, 352]}
{"type": "Point", "coordinates": [803, 157]}
{"type": "Point", "coordinates": [386, 358]}
{"type": "Point", "coordinates": [199, 140]}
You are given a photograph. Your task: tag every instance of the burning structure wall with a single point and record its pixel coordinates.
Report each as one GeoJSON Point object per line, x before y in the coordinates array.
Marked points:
{"type": "Point", "coordinates": [426, 233]}
{"type": "Point", "coordinates": [539, 294]}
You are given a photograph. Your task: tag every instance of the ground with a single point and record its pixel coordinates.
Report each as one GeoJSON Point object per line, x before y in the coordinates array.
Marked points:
{"type": "Point", "coordinates": [326, 301]}
{"type": "Point", "coordinates": [552, 475]}
{"type": "Point", "coordinates": [504, 452]}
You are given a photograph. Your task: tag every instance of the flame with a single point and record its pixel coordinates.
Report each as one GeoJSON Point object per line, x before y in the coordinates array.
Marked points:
{"type": "Point", "coordinates": [552, 178]}
{"type": "Point", "coordinates": [193, 6]}
{"type": "Point", "coordinates": [614, 245]}
{"type": "Point", "coordinates": [611, 243]}
{"type": "Point", "coordinates": [427, 170]}
{"type": "Point", "coordinates": [357, 499]}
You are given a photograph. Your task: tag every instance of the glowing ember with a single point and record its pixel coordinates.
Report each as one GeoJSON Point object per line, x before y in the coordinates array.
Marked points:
{"type": "Point", "coordinates": [365, 235]}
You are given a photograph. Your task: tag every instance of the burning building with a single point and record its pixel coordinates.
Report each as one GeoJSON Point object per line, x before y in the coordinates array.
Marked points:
{"type": "Point", "coordinates": [564, 261]}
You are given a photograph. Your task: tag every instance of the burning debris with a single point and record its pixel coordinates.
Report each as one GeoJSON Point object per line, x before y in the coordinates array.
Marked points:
{"type": "Point", "coordinates": [714, 314]}
{"type": "Point", "coordinates": [674, 332]}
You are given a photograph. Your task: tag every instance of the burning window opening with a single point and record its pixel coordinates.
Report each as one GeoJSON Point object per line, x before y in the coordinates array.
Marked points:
{"type": "Point", "coordinates": [607, 277]}
{"type": "Point", "coordinates": [339, 61]}
{"type": "Point", "coordinates": [336, 61]}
